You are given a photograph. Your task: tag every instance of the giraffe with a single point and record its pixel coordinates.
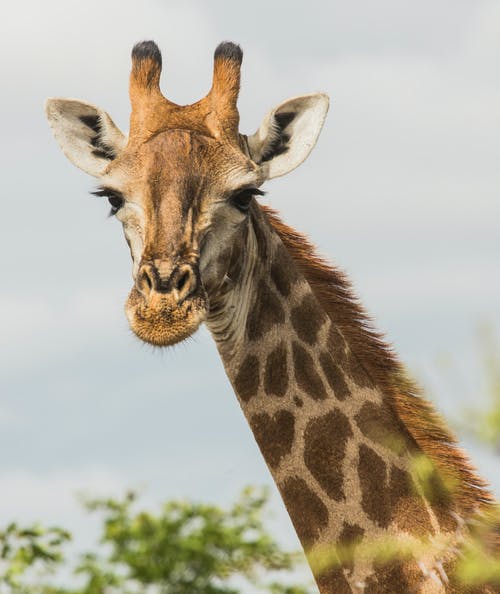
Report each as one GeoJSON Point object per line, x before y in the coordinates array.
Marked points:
{"type": "Point", "coordinates": [337, 421]}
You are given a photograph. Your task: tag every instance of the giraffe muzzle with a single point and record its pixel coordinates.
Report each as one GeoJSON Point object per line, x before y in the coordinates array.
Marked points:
{"type": "Point", "coordinates": [167, 304]}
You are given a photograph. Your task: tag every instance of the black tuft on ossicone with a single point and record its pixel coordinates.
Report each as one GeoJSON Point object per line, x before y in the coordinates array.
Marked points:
{"type": "Point", "coordinates": [227, 50]}
{"type": "Point", "coordinates": [145, 50]}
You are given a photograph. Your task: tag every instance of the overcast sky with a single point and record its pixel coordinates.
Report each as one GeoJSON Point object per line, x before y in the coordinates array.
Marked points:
{"type": "Point", "coordinates": [402, 191]}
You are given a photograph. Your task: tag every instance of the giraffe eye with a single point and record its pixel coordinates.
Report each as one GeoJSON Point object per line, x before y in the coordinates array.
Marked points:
{"type": "Point", "coordinates": [114, 198]}
{"type": "Point", "coordinates": [242, 199]}
{"type": "Point", "coordinates": [116, 203]}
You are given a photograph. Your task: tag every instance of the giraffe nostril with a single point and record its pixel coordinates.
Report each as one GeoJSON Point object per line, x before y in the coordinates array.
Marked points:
{"type": "Point", "coordinates": [145, 281]}
{"type": "Point", "coordinates": [182, 280]}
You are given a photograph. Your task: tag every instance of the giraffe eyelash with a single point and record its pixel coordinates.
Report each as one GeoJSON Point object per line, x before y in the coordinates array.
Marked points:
{"type": "Point", "coordinates": [114, 197]}
{"type": "Point", "coordinates": [242, 199]}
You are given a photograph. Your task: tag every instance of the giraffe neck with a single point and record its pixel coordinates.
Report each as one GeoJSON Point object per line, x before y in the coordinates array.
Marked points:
{"type": "Point", "coordinates": [338, 452]}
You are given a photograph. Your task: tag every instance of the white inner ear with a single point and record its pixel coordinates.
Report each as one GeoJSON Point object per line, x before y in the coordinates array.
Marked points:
{"type": "Point", "coordinates": [288, 134]}
{"type": "Point", "coordinates": [85, 133]}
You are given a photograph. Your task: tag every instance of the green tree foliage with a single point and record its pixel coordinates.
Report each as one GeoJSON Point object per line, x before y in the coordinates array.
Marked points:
{"type": "Point", "coordinates": [185, 547]}
{"type": "Point", "coordinates": [25, 553]}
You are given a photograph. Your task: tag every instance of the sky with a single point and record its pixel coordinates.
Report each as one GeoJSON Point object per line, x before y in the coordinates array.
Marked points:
{"type": "Point", "coordinates": [402, 191]}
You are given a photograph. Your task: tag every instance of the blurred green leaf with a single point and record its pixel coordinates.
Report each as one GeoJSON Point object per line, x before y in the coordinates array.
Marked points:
{"type": "Point", "coordinates": [184, 547]}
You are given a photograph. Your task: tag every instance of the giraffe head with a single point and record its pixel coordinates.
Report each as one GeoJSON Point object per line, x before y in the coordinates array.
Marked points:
{"type": "Point", "coordinates": [183, 182]}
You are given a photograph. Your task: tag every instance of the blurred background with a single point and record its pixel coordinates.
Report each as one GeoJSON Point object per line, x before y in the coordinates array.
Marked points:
{"type": "Point", "coordinates": [402, 191]}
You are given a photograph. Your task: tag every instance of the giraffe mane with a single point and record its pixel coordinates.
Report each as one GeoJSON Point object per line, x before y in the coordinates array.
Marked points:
{"type": "Point", "coordinates": [425, 425]}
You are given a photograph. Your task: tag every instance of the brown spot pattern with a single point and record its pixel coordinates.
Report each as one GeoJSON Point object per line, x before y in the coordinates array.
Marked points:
{"type": "Point", "coordinates": [265, 313]}
{"type": "Point", "coordinates": [306, 375]}
{"type": "Point", "coordinates": [439, 493]}
{"type": "Point", "coordinates": [281, 272]}
{"type": "Point", "coordinates": [308, 513]}
{"type": "Point", "coordinates": [325, 444]}
{"type": "Point", "coordinates": [260, 238]}
{"type": "Point", "coordinates": [234, 266]}
{"type": "Point", "coordinates": [349, 538]}
{"type": "Point", "coordinates": [393, 577]}
{"type": "Point", "coordinates": [274, 434]}
{"type": "Point", "coordinates": [378, 423]}
{"type": "Point", "coordinates": [333, 581]}
{"type": "Point", "coordinates": [246, 382]}
{"type": "Point", "coordinates": [408, 509]}
{"type": "Point", "coordinates": [336, 296]}
{"type": "Point", "coordinates": [338, 346]}
{"type": "Point", "coordinates": [356, 371]}
{"type": "Point", "coordinates": [447, 522]}
{"type": "Point", "coordinates": [276, 373]}
{"type": "Point", "coordinates": [372, 474]}
{"type": "Point", "coordinates": [400, 484]}
{"type": "Point", "coordinates": [334, 376]}
{"type": "Point", "coordinates": [307, 318]}
{"type": "Point", "coordinates": [298, 401]}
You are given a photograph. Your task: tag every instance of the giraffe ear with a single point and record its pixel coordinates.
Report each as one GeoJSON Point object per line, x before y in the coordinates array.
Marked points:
{"type": "Point", "coordinates": [85, 133]}
{"type": "Point", "coordinates": [288, 134]}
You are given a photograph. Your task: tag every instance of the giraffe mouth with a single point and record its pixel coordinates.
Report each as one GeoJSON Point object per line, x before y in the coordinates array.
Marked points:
{"type": "Point", "coordinates": [160, 320]}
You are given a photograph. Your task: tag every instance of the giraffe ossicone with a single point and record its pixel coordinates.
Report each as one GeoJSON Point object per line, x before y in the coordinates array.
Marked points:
{"type": "Point", "coordinates": [344, 433]}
